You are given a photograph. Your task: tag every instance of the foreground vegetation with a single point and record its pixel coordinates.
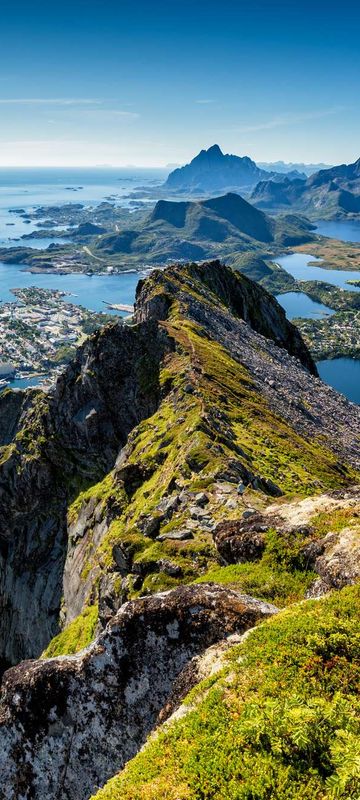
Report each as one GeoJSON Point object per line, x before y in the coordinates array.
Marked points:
{"type": "Point", "coordinates": [282, 719]}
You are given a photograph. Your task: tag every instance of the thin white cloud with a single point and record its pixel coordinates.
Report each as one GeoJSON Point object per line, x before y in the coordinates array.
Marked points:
{"type": "Point", "coordinates": [288, 119]}
{"type": "Point", "coordinates": [204, 102]}
{"type": "Point", "coordinates": [53, 101]}
{"type": "Point", "coordinates": [88, 105]}
{"type": "Point", "coordinates": [125, 114]}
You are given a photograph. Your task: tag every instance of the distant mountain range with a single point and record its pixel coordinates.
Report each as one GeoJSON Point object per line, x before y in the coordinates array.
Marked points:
{"type": "Point", "coordinates": [213, 171]}
{"type": "Point", "coordinates": [281, 167]}
{"type": "Point", "coordinates": [328, 193]}
{"type": "Point", "coordinates": [218, 227]}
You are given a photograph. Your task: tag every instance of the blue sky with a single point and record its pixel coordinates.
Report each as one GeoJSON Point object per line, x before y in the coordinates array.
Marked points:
{"type": "Point", "coordinates": [151, 83]}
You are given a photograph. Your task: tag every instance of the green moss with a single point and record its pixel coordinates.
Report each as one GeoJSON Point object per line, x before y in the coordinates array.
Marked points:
{"type": "Point", "coordinates": [102, 491]}
{"type": "Point", "coordinates": [334, 521]}
{"type": "Point", "coordinates": [281, 576]}
{"type": "Point", "coordinates": [282, 720]}
{"type": "Point", "coordinates": [278, 586]}
{"type": "Point", "coordinates": [77, 635]}
{"type": "Point", "coordinates": [6, 452]}
{"type": "Point", "coordinates": [158, 582]}
{"type": "Point", "coordinates": [32, 437]}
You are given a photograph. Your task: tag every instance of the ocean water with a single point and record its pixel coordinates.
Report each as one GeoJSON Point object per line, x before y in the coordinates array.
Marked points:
{"type": "Point", "coordinates": [29, 188]}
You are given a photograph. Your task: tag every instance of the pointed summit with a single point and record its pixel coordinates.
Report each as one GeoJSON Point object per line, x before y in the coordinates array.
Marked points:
{"type": "Point", "coordinates": [214, 150]}
{"type": "Point", "coordinates": [212, 171]}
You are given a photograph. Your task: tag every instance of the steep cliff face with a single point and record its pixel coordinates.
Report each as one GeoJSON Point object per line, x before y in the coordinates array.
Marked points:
{"type": "Point", "coordinates": [64, 441]}
{"type": "Point", "coordinates": [12, 406]}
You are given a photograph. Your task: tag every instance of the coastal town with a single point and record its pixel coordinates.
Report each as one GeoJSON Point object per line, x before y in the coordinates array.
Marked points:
{"type": "Point", "coordinates": [332, 337]}
{"type": "Point", "coordinates": [39, 332]}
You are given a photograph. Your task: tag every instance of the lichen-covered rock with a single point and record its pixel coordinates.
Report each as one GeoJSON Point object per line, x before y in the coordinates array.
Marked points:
{"type": "Point", "coordinates": [243, 540]}
{"type": "Point", "coordinates": [67, 724]}
{"type": "Point", "coordinates": [337, 559]}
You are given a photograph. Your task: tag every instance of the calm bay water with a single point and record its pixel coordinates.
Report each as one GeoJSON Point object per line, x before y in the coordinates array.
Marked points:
{"type": "Point", "coordinates": [86, 290]}
{"type": "Point", "coordinates": [298, 304]}
{"type": "Point", "coordinates": [23, 383]}
{"type": "Point", "coordinates": [297, 265]}
{"type": "Point", "coordinates": [344, 375]}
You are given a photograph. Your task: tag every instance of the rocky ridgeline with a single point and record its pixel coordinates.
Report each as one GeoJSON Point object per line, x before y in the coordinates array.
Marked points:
{"type": "Point", "coordinates": [155, 461]}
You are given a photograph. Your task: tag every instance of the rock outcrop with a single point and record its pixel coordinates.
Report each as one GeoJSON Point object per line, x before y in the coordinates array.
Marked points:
{"type": "Point", "coordinates": [323, 532]}
{"type": "Point", "coordinates": [67, 724]}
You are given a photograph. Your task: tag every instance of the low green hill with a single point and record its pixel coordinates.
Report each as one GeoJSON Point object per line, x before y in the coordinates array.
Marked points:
{"type": "Point", "coordinates": [221, 227]}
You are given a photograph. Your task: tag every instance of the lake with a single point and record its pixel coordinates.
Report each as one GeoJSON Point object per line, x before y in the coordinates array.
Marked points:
{"type": "Point", "coordinates": [297, 265]}
{"type": "Point", "coordinates": [342, 374]}
{"type": "Point", "coordinates": [347, 230]}
{"type": "Point", "coordinates": [298, 304]}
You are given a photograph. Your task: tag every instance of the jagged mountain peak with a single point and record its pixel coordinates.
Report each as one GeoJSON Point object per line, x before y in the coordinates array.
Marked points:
{"type": "Point", "coordinates": [214, 152]}
{"type": "Point", "coordinates": [213, 170]}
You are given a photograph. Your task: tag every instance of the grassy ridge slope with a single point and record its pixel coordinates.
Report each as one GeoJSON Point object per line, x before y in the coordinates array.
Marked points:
{"type": "Point", "coordinates": [281, 719]}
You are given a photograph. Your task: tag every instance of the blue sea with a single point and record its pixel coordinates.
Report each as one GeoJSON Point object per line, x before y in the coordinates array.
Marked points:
{"type": "Point", "coordinates": [30, 188]}
{"type": "Point", "coordinates": [25, 188]}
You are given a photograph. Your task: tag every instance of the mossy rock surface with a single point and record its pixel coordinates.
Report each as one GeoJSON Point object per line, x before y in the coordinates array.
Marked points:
{"type": "Point", "coordinates": [77, 635]}
{"type": "Point", "coordinates": [280, 720]}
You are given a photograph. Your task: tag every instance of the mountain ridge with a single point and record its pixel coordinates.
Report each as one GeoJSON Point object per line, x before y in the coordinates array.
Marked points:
{"type": "Point", "coordinates": [221, 226]}
{"type": "Point", "coordinates": [329, 192]}
{"type": "Point", "coordinates": [192, 449]}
